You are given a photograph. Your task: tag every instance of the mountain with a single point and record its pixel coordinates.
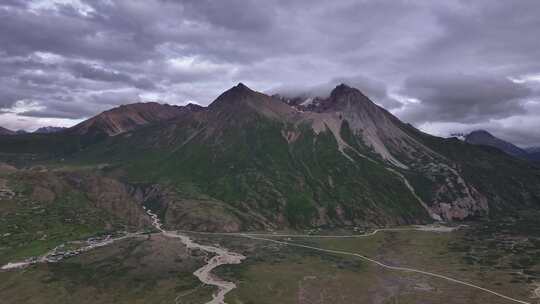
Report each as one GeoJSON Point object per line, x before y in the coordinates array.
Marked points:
{"type": "Point", "coordinates": [532, 149]}
{"type": "Point", "coordinates": [129, 117]}
{"type": "Point", "coordinates": [256, 162]}
{"type": "Point", "coordinates": [533, 154]}
{"type": "Point", "coordinates": [250, 161]}
{"type": "Point", "coordinates": [48, 130]}
{"type": "Point", "coordinates": [4, 131]}
{"type": "Point", "coordinates": [482, 137]}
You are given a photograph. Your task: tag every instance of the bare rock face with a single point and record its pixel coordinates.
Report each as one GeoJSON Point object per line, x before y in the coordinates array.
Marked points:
{"type": "Point", "coordinates": [466, 206]}
{"type": "Point", "coordinates": [453, 198]}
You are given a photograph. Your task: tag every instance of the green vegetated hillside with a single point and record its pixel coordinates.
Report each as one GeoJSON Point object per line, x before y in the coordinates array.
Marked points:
{"type": "Point", "coordinates": [250, 161]}
{"type": "Point", "coordinates": [40, 210]}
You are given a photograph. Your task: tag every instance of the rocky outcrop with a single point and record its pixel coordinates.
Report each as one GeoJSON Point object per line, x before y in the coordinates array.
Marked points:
{"type": "Point", "coordinates": [192, 214]}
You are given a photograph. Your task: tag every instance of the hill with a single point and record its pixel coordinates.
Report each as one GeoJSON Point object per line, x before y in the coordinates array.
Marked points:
{"type": "Point", "coordinates": [4, 131]}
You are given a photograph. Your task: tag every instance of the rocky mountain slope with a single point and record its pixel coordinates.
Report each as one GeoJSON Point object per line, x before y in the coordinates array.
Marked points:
{"type": "Point", "coordinates": [251, 161]}
{"type": "Point", "coordinates": [129, 117]}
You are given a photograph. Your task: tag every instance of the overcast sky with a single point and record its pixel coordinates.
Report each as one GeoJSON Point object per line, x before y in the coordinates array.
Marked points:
{"type": "Point", "coordinates": [444, 66]}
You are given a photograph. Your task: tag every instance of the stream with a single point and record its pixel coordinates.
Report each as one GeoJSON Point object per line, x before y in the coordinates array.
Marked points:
{"type": "Point", "coordinates": [204, 274]}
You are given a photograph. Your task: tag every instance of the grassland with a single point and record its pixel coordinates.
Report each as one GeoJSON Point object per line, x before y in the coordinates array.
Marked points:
{"type": "Point", "coordinates": [280, 274]}
{"type": "Point", "coordinates": [153, 269]}
{"type": "Point", "coordinates": [148, 270]}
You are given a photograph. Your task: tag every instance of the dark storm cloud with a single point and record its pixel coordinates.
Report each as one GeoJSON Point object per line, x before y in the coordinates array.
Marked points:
{"type": "Point", "coordinates": [82, 70]}
{"type": "Point", "coordinates": [72, 59]}
{"type": "Point", "coordinates": [67, 32]}
{"type": "Point", "coordinates": [465, 98]}
{"type": "Point", "coordinates": [8, 97]}
{"type": "Point", "coordinates": [488, 35]}
{"type": "Point", "coordinates": [241, 15]}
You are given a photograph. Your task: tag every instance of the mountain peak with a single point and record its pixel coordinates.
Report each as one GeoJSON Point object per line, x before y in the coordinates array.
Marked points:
{"type": "Point", "coordinates": [236, 94]}
{"type": "Point", "coordinates": [343, 89]}
{"type": "Point", "coordinates": [241, 88]}
{"type": "Point", "coordinates": [344, 96]}
{"type": "Point", "coordinates": [480, 133]}
{"type": "Point", "coordinates": [194, 107]}
{"type": "Point", "coordinates": [483, 137]}
{"type": "Point", "coordinates": [240, 100]}
{"type": "Point", "coordinates": [240, 85]}
{"type": "Point", "coordinates": [342, 86]}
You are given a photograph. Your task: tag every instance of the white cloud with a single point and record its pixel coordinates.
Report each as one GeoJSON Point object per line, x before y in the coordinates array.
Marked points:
{"type": "Point", "coordinates": [14, 122]}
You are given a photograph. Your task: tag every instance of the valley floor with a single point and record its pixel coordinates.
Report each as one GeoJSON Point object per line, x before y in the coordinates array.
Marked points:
{"type": "Point", "coordinates": [497, 260]}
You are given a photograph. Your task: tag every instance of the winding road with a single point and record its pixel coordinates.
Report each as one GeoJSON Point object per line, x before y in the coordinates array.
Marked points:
{"type": "Point", "coordinates": [405, 269]}
{"type": "Point", "coordinates": [429, 228]}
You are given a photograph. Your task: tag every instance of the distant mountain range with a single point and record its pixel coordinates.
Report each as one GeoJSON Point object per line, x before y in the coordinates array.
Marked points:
{"type": "Point", "coordinates": [482, 137]}
{"type": "Point", "coordinates": [47, 130]}
{"type": "Point", "coordinates": [253, 161]}
{"type": "Point", "coordinates": [4, 131]}
{"type": "Point", "coordinates": [117, 120]}
{"type": "Point", "coordinates": [42, 130]}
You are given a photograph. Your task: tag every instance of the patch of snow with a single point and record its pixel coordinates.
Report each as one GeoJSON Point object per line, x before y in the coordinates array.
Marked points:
{"type": "Point", "coordinates": [307, 102]}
